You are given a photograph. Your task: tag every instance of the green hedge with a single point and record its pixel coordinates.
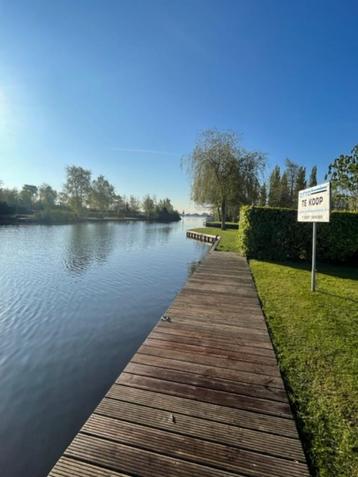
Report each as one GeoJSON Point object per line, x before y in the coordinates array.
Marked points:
{"type": "Point", "coordinates": [274, 234]}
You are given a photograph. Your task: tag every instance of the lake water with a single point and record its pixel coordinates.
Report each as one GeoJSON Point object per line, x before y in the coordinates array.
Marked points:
{"type": "Point", "coordinates": [76, 301]}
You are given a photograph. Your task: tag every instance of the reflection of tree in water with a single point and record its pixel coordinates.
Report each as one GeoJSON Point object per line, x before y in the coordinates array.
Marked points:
{"type": "Point", "coordinates": [157, 232]}
{"type": "Point", "coordinates": [88, 243]}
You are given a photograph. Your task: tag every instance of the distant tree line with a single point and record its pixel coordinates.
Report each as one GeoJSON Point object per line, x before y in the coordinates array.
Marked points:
{"type": "Point", "coordinates": [82, 197]}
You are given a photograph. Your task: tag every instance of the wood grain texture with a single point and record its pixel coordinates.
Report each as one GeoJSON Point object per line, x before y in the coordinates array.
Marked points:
{"type": "Point", "coordinates": [203, 395]}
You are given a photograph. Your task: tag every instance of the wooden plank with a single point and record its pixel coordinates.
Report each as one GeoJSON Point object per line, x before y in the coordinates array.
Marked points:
{"type": "Point", "coordinates": [219, 330]}
{"type": "Point", "coordinates": [220, 301]}
{"type": "Point", "coordinates": [251, 313]}
{"type": "Point", "coordinates": [196, 319]}
{"type": "Point", "coordinates": [207, 371]}
{"type": "Point", "coordinates": [67, 467]}
{"type": "Point", "coordinates": [134, 460]}
{"type": "Point", "coordinates": [208, 277]}
{"type": "Point", "coordinates": [250, 318]}
{"type": "Point", "coordinates": [262, 406]}
{"type": "Point", "coordinates": [241, 324]}
{"type": "Point", "coordinates": [200, 451]}
{"type": "Point", "coordinates": [220, 290]}
{"type": "Point", "coordinates": [257, 366]}
{"type": "Point", "coordinates": [245, 374]}
{"type": "Point", "coordinates": [232, 435]}
{"type": "Point", "coordinates": [195, 379]}
{"type": "Point", "coordinates": [238, 328]}
{"type": "Point", "coordinates": [210, 412]}
{"type": "Point", "coordinates": [248, 353]}
{"type": "Point", "coordinates": [206, 331]}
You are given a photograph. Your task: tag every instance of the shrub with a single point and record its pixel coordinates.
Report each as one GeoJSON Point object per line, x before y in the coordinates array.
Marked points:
{"type": "Point", "coordinates": [274, 234]}
{"type": "Point", "coordinates": [55, 216]}
{"type": "Point", "coordinates": [6, 209]}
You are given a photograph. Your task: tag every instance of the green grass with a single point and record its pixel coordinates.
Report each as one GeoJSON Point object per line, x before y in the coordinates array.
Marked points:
{"type": "Point", "coordinates": [231, 225]}
{"type": "Point", "coordinates": [229, 238]}
{"type": "Point", "coordinates": [315, 336]}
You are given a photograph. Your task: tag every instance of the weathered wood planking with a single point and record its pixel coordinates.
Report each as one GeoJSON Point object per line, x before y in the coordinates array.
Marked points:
{"type": "Point", "coordinates": [203, 395]}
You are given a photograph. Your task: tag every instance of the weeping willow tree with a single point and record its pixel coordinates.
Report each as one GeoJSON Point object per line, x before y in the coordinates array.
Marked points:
{"type": "Point", "coordinates": [223, 173]}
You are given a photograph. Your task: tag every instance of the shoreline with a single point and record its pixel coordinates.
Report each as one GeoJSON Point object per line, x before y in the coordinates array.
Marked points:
{"type": "Point", "coordinates": [33, 221]}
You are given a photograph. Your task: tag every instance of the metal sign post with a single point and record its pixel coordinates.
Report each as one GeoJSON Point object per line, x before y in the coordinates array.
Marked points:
{"type": "Point", "coordinates": [314, 205]}
{"type": "Point", "coordinates": [313, 273]}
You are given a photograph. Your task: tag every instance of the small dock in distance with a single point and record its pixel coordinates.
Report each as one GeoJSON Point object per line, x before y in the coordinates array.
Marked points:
{"type": "Point", "coordinates": [202, 237]}
{"type": "Point", "coordinates": [203, 395]}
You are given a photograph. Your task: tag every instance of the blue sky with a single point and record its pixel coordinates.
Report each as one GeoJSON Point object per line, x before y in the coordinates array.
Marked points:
{"type": "Point", "coordinates": [124, 87]}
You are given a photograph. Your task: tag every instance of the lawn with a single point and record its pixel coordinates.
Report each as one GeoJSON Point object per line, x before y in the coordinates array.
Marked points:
{"type": "Point", "coordinates": [231, 225]}
{"type": "Point", "coordinates": [316, 339]}
{"type": "Point", "coordinates": [229, 238]}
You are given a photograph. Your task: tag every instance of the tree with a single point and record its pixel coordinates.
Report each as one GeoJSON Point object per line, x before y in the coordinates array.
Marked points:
{"type": "Point", "coordinates": [313, 177]}
{"type": "Point", "coordinates": [134, 205]}
{"type": "Point", "coordinates": [274, 195]}
{"type": "Point", "coordinates": [246, 183]}
{"type": "Point", "coordinates": [77, 188]}
{"type": "Point", "coordinates": [101, 194]}
{"type": "Point", "coordinates": [291, 171]}
{"type": "Point", "coordinates": [11, 197]}
{"type": "Point", "coordinates": [285, 198]}
{"type": "Point", "coordinates": [165, 205]}
{"type": "Point", "coordinates": [148, 206]}
{"type": "Point", "coordinates": [165, 211]}
{"type": "Point", "coordinates": [300, 184]}
{"type": "Point", "coordinates": [47, 196]}
{"type": "Point", "coordinates": [217, 166]}
{"type": "Point", "coordinates": [28, 195]}
{"type": "Point", "coordinates": [343, 174]}
{"type": "Point", "coordinates": [119, 205]}
{"type": "Point", "coordinates": [263, 195]}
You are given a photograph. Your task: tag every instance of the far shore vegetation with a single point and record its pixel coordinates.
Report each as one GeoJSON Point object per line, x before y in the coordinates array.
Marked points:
{"type": "Point", "coordinates": [82, 198]}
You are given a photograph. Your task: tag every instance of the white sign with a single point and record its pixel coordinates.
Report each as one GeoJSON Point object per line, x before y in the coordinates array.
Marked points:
{"type": "Point", "coordinates": [314, 204]}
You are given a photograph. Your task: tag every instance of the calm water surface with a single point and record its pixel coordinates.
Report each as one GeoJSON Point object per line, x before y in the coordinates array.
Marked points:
{"type": "Point", "coordinates": [76, 301]}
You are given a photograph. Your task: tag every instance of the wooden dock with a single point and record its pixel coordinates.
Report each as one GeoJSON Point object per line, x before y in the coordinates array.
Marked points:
{"type": "Point", "coordinates": [202, 237]}
{"type": "Point", "coordinates": [202, 396]}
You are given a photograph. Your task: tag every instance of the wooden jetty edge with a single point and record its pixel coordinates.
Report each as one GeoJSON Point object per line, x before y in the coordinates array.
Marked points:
{"type": "Point", "coordinates": [203, 395]}
{"type": "Point", "coordinates": [202, 237]}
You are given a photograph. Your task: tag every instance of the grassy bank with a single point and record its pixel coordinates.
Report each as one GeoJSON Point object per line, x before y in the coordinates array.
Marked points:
{"type": "Point", "coordinates": [315, 336]}
{"type": "Point", "coordinates": [229, 238]}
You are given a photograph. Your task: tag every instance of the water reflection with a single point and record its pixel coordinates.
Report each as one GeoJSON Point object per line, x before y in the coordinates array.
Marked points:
{"type": "Point", "coordinates": [153, 232]}
{"type": "Point", "coordinates": [88, 243]}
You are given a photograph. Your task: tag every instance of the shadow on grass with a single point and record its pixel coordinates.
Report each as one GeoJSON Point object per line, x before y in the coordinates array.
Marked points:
{"type": "Point", "coordinates": [349, 272]}
{"type": "Point", "coordinates": [345, 298]}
